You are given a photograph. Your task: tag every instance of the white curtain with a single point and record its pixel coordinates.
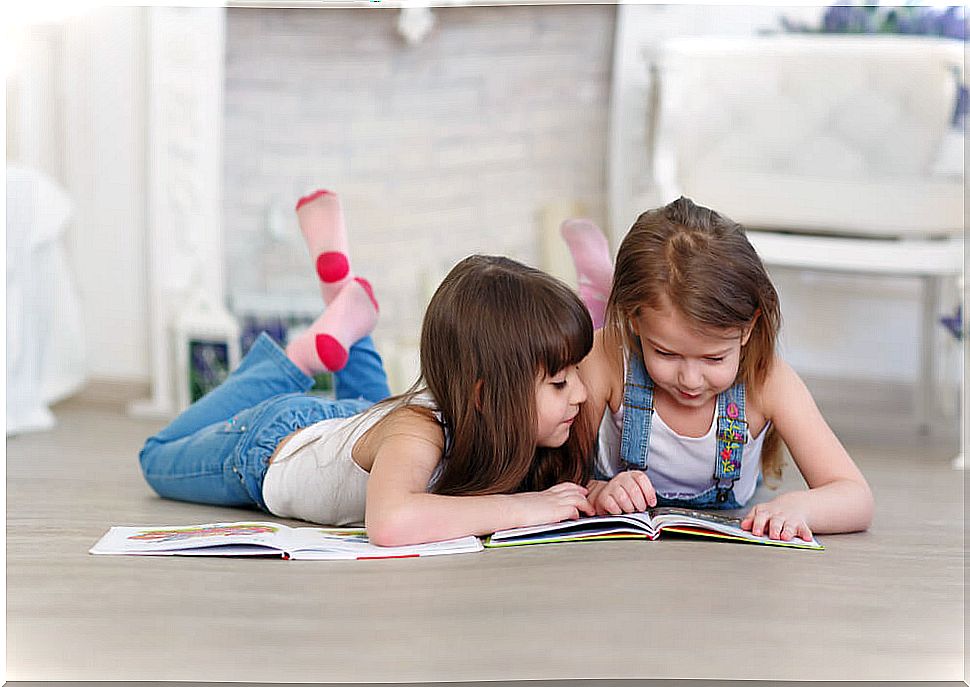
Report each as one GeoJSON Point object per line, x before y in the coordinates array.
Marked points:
{"type": "Point", "coordinates": [45, 342]}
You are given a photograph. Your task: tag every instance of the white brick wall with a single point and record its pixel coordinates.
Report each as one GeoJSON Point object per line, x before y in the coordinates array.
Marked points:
{"type": "Point", "coordinates": [438, 150]}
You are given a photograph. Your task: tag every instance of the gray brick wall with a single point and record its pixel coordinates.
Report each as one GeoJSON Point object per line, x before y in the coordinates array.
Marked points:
{"type": "Point", "coordinates": [440, 149]}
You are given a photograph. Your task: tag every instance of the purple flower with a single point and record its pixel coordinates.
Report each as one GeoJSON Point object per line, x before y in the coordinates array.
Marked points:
{"type": "Point", "coordinates": [845, 17]}
{"type": "Point", "coordinates": [837, 19]}
{"type": "Point", "coordinates": [953, 23]}
{"type": "Point", "coordinates": [954, 323]}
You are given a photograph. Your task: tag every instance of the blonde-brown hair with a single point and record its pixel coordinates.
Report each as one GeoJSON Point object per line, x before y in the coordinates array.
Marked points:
{"type": "Point", "coordinates": [703, 265]}
{"type": "Point", "coordinates": [492, 327]}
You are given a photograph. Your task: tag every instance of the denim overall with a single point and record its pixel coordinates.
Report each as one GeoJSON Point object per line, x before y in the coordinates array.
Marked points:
{"type": "Point", "coordinates": [217, 451]}
{"type": "Point", "coordinates": [732, 434]}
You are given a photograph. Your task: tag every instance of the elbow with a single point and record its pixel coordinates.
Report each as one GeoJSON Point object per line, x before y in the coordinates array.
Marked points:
{"type": "Point", "coordinates": [392, 528]}
{"type": "Point", "coordinates": [867, 507]}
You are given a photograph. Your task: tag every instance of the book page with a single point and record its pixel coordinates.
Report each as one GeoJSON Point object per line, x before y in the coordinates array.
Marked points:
{"type": "Point", "coordinates": [672, 514]}
{"type": "Point", "coordinates": [338, 542]}
{"type": "Point", "coordinates": [688, 520]}
{"type": "Point", "coordinates": [632, 523]}
{"type": "Point", "coordinates": [170, 539]}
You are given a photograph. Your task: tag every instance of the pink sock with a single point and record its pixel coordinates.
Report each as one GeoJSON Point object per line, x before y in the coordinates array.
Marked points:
{"type": "Point", "coordinates": [594, 268]}
{"type": "Point", "coordinates": [322, 223]}
{"type": "Point", "coordinates": [325, 345]}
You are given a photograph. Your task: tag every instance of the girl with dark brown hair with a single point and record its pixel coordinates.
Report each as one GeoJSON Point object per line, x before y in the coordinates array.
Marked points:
{"type": "Point", "coordinates": [698, 398]}
{"type": "Point", "coordinates": [490, 437]}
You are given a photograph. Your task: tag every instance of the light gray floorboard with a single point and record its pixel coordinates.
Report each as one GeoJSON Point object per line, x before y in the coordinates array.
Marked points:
{"type": "Point", "coordinates": [882, 605]}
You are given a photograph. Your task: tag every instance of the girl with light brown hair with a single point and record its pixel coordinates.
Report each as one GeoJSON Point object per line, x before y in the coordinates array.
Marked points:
{"type": "Point", "coordinates": [696, 399]}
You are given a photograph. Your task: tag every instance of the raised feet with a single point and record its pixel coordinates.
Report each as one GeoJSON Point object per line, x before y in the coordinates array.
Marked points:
{"type": "Point", "coordinates": [594, 267]}
{"type": "Point", "coordinates": [322, 224]}
{"type": "Point", "coordinates": [325, 345]}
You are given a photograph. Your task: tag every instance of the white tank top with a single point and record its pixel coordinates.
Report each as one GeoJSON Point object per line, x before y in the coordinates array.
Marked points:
{"type": "Point", "coordinates": [678, 466]}
{"type": "Point", "coordinates": [314, 476]}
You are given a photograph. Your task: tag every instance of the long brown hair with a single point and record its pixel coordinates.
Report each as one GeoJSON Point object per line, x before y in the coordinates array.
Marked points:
{"type": "Point", "coordinates": [492, 327]}
{"type": "Point", "coordinates": [703, 263]}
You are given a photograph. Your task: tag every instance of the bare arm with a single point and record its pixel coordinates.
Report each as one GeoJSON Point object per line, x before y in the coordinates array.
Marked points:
{"type": "Point", "coordinates": [602, 373]}
{"type": "Point", "coordinates": [400, 511]}
{"type": "Point", "coordinates": [838, 498]}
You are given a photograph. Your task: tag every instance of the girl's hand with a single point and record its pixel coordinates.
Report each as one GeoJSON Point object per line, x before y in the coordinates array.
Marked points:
{"type": "Point", "coordinates": [564, 501]}
{"type": "Point", "coordinates": [593, 489]}
{"type": "Point", "coordinates": [784, 518]}
{"type": "Point", "coordinates": [628, 492]}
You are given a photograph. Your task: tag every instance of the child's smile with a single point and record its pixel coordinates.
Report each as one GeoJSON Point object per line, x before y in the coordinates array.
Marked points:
{"type": "Point", "coordinates": [691, 366]}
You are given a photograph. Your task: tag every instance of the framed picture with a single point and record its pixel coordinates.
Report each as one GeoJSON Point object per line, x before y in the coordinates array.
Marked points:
{"type": "Point", "coordinates": [208, 366]}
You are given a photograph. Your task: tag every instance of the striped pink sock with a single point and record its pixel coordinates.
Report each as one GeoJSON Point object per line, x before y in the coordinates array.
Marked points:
{"type": "Point", "coordinates": [322, 224]}
{"type": "Point", "coordinates": [594, 268]}
{"type": "Point", "coordinates": [325, 345]}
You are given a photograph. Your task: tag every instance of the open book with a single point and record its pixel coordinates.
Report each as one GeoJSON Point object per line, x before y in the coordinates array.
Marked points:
{"type": "Point", "coordinates": [646, 525]}
{"type": "Point", "coordinates": [265, 539]}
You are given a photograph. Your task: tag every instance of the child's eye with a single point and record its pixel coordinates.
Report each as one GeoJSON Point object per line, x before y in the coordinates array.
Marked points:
{"type": "Point", "coordinates": [665, 354]}
{"type": "Point", "coordinates": [715, 359]}
{"type": "Point", "coordinates": [560, 385]}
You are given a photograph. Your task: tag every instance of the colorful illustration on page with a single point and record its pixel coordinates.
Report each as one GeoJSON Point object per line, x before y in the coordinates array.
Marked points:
{"type": "Point", "coordinates": [184, 533]}
{"type": "Point", "coordinates": [356, 535]}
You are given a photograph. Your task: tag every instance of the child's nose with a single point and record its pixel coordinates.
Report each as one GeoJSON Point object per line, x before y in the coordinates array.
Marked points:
{"type": "Point", "coordinates": [689, 375]}
{"type": "Point", "coordinates": [579, 392]}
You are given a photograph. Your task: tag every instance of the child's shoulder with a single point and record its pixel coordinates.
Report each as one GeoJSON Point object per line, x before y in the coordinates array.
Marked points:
{"type": "Point", "coordinates": [602, 371]}
{"type": "Point", "coordinates": [417, 418]}
{"type": "Point", "coordinates": [405, 423]}
{"type": "Point", "coordinates": [780, 383]}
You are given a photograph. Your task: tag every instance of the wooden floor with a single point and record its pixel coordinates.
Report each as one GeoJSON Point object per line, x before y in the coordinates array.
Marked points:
{"type": "Point", "coordinates": [883, 605]}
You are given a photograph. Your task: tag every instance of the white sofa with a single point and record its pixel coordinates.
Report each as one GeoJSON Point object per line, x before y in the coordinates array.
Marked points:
{"type": "Point", "coordinates": [814, 133]}
{"type": "Point", "coordinates": [830, 149]}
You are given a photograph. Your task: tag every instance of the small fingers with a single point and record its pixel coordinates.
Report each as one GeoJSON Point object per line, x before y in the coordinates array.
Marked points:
{"type": "Point", "coordinates": [585, 506]}
{"type": "Point", "coordinates": [804, 531]}
{"type": "Point", "coordinates": [646, 488]}
{"type": "Point", "coordinates": [761, 518]}
{"type": "Point", "coordinates": [623, 499]}
{"type": "Point", "coordinates": [573, 507]}
{"type": "Point", "coordinates": [639, 501]}
{"type": "Point", "coordinates": [776, 526]}
{"type": "Point", "coordinates": [635, 493]}
{"type": "Point", "coordinates": [610, 505]}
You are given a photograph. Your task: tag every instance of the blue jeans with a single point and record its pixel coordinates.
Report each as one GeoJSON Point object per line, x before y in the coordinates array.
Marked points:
{"type": "Point", "coordinates": [217, 450]}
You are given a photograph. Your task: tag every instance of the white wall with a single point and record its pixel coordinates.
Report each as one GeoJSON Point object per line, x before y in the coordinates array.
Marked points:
{"type": "Point", "coordinates": [441, 149]}
{"type": "Point", "coordinates": [449, 146]}
{"type": "Point", "coordinates": [75, 112]}
{"type": "Point", "coordinates": [104, 171]}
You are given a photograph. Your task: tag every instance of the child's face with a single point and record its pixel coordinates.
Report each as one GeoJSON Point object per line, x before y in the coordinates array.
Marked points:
{"type": "Point", "coordinates": [558, 399]}
{"type": "Point", "coordinates": [691, 367]}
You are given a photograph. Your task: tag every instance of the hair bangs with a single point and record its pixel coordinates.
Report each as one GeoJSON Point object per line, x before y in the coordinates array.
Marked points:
{"type": "Point", "coordinates": [561, 337]}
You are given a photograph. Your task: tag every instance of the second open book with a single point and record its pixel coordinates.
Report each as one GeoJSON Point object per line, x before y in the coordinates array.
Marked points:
{"type": "Point", "coordinates": [646, 525]}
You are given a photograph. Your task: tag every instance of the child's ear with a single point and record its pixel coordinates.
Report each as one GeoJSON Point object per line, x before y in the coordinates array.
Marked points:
{"type": "Point", "coordinates": [749, 328]}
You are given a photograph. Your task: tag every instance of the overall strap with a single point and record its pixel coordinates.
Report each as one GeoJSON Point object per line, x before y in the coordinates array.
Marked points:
{"type": "Point", "coordinates": [732, 434]}
{"type": "Point", "coordinates": [637, 414]}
